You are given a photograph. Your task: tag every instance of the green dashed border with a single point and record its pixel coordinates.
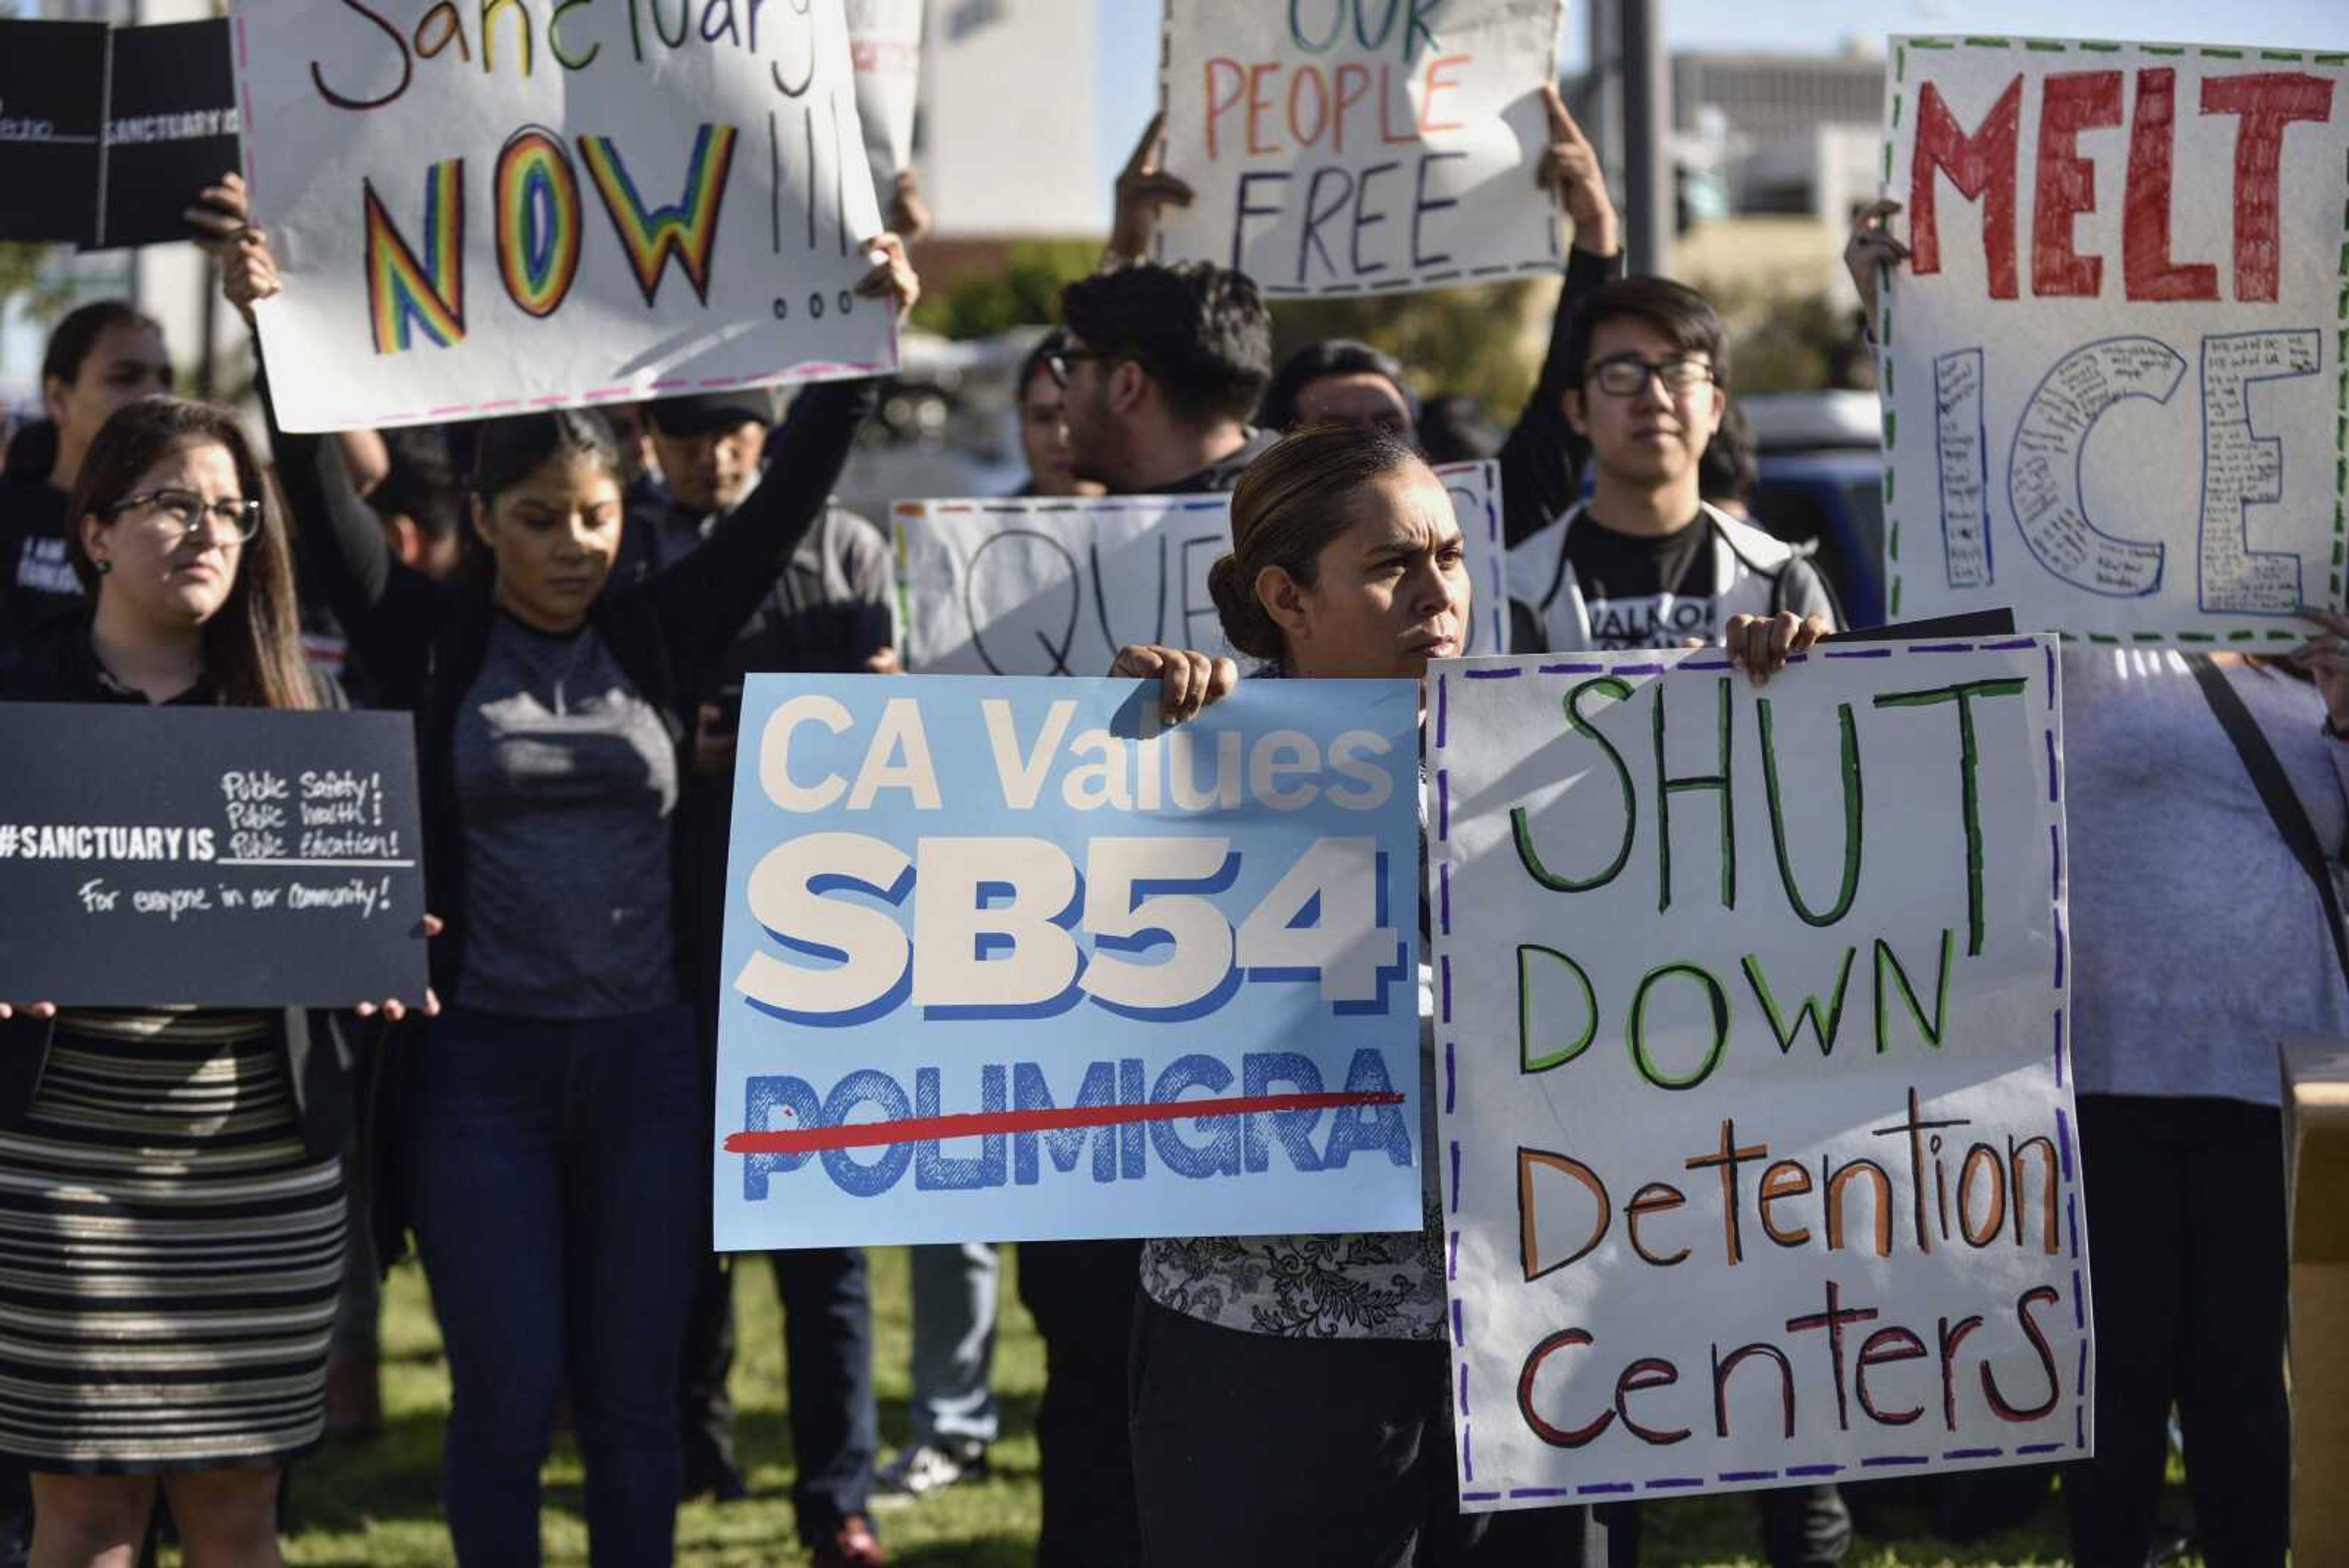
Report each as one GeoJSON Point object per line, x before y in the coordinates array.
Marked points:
{"type": "Point", "coordinates": [2339, 563]}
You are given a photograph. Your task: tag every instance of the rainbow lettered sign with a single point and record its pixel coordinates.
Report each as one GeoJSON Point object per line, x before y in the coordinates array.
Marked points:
{"type": "Point", "coordinates": [485, 210]}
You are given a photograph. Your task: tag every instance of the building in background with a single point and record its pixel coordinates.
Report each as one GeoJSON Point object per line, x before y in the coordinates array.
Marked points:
{"type": "Point", "coordinates": [1771, 154]}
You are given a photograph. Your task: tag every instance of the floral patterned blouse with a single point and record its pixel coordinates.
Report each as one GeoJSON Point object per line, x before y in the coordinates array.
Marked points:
{"type": "Point", "coordinates": [1385, 1285]}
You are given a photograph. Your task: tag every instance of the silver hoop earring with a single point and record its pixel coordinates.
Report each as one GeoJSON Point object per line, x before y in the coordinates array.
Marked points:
{"type": "Point", "coordinates": [101, 567]}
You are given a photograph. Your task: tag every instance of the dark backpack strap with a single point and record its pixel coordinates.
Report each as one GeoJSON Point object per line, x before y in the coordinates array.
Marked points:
{"type": "Point", "coordinates": [2291, 816]}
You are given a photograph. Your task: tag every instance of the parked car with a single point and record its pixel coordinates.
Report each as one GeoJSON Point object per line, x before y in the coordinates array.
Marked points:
{"type": "Point", "coordinates": [1820, 456]}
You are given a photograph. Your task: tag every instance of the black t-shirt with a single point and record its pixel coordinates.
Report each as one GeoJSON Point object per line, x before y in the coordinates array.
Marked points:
{"type": "Point", "coordinates": [36, 582]}
{"type": "Point", "coordinates": [1643, 590]}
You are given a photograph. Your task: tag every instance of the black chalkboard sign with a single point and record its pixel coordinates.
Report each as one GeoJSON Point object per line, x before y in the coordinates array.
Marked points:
{"type": "Point", "coordinates": [224, 856]}
{"type": "Point", "coordinates": [52, 109]}
{"type": "Point", "coordinates": [171, 128]}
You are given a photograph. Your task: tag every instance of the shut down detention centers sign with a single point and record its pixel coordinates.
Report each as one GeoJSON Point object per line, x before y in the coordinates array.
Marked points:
{"type": "Point", "coordinates": [2114, 371]}
{"type": "Point", "coordinates": [481, 209]}
{"type": "Point", "coordinates": [1003, 958]}
{"type": "Point", "coordinates": [1343, 147]}
{"type": "Point", "coordinates": [1755, 1137]}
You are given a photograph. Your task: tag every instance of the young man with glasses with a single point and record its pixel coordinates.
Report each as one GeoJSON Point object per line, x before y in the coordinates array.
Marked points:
{"type": "Point", "coordinates": [1644, 562]}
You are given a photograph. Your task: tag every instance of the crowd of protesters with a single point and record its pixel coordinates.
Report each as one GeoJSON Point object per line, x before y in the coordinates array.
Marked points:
{"type": "Point", "coordinates": [568, 602]}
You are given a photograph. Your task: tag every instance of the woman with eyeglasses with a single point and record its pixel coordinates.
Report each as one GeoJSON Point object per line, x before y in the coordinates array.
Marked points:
{"type": "Point", "coordinates": [171, 1215]}
{"type": "Point", "coordinates": [549, 1132]}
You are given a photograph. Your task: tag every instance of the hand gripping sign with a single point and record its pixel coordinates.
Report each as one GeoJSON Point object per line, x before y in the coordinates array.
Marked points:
{"type": "Point", "coordinates": [1002, 961]}
{"type": "Point", "coordinates": [2112, 379]}
{"type": "Point", "coordinates": [490, 209]}
{"type": "Point", "coordinates": [1756, 1130]}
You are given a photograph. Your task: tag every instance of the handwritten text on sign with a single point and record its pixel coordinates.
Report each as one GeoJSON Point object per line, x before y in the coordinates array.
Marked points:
{"type": "Point", "coordinates": [216, 855]}
{"type": "Point", "coordinates": [1759, 1165]}
{"type": "Point", "coordinates": [1350, 146]}
{"type": "Point", "coordinates": [2114, 386]}
{"type": "Point", "coordinates": [1002, 960]}
{"type": "Point", "coordinates": [1056, 587]}
{"type": "Point", "coordinates": [484, 210]}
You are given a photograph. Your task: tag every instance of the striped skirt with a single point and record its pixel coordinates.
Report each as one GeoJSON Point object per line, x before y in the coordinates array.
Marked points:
{"type": "Point", "coordinates": [169, 1253]}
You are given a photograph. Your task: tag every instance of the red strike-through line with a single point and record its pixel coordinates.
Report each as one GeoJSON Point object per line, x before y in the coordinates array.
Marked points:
{"type": "Point", "coordinates": [975, 1124]}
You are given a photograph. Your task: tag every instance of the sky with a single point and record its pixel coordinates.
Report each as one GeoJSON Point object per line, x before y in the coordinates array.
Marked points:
{"type": "Point", "coordinates": [1129, 87]}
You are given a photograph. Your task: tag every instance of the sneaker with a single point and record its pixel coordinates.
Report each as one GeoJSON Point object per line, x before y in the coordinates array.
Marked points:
{"type": "Point", "coordinates": [926, 1467]}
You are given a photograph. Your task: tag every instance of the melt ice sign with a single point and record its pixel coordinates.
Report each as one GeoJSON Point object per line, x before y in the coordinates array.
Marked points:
{"type": "Point", "coordinates": [2112, 378]}
{"type": "Point", "coordinates": [1003, 961]}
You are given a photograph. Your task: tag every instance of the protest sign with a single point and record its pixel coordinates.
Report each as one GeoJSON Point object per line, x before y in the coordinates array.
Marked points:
{"type": "Point", "coordinates": [1349, 147]}
{"type": "Point", "coordinates": [2111, 380]}
{"type": "Point", "coordinates": [884, 50]}
{"type": "Point", "coordinates": [1056, 586]}
{"type": "Point", "coordinates": [1003, 962]}
{"type": "Point", "coordinates": [486, 211]}
{"type": "Point", "coordinates": [52, 113]}
{"type": "Point", "coordinates": [171, 128]}
{"type": "Point", "coordinates": [1757, 1119]}
{"type": "Point", "coordinates": [272, 860]}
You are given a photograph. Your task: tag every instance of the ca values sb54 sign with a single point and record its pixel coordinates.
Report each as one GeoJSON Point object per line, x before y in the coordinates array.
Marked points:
{"type": "Point", "coordinates": [1004, 960]}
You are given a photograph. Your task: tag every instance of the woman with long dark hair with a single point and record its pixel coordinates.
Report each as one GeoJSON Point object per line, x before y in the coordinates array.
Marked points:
{"type": "Point", "coordinates": [551, 1130]}
{"type": "Point", "coordinates": [170, 1199]}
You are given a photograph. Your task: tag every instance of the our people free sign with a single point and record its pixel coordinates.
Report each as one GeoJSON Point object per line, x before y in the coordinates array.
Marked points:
{"type": "Point", "coordinates": [489, 208]}
{"type": "Point", "coordinates": [1006, 959]}
{"type": "Point", "coordinates": [2113, 375]}
{"type": "Point", "coordinates": [1341, 147]}
{"type": "Point", "coordinates": [1756, 1131]}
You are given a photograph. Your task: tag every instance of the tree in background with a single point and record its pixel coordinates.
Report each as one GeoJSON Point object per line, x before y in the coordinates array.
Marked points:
{"type": "Point", "coordinates": [1791, 344]}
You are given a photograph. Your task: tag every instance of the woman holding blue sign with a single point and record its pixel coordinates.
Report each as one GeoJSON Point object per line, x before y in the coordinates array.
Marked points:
{"type": "Point", "coordinates": [171, 1215]}
{"type": "Point", "coordinates": [1290, 1393]}
{"type": "Point", "coordinates": [551, 1125]}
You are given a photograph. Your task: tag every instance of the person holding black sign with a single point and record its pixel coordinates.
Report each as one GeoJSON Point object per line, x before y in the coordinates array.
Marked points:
{"type": "Point", "coordinates": [161, 1164]}
{"type": "Point", "coordinates": [550, 1129]}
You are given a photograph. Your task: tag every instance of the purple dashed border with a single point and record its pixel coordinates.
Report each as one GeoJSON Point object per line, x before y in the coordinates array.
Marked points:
{"type": "Point", "coordinates": [2056, 1063]}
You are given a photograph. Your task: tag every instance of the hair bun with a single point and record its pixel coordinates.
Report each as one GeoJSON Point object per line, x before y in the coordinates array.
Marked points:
{"type": "Point", "coordinates": [1247, 627]}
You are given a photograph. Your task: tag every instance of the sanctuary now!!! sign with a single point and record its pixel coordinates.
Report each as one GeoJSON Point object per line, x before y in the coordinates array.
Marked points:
{"type": "Point", "coordinates": [485, 208]}
{"type": "Point", "coordinates": [1004, 959]}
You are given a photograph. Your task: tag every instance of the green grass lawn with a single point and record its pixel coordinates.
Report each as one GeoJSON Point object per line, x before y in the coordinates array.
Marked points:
{"type": "Point", "coordinates": [375, 1504]}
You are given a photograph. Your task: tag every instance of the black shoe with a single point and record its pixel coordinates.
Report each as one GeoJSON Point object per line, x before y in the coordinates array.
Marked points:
{"type": "Point", "coordinates": [717, 1477]}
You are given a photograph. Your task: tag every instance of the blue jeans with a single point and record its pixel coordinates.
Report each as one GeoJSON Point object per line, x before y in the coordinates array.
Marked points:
{"type": "Point", "coordinates": [553, 1171]}
{"type": "Point", "coordinates": [954, 1343]}
{"type": "Point", "coordinates": [827, 1379]}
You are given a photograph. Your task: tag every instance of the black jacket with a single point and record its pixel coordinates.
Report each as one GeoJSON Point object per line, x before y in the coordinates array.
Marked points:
{"type": "Point", "coordinates": [58, 666]}
{"type": "Point", "coordinates": [1541, 461]}
{"type": "Point", "coordinates": [422, 642]}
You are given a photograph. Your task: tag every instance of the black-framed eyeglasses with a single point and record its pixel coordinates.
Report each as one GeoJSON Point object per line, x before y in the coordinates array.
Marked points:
{"type": "Point", "coordinates": [187, 510]}
{"type": "Point", "coordinates": [1626, 374]}
{"type": "Point", "coordinates": [1058, 363]}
